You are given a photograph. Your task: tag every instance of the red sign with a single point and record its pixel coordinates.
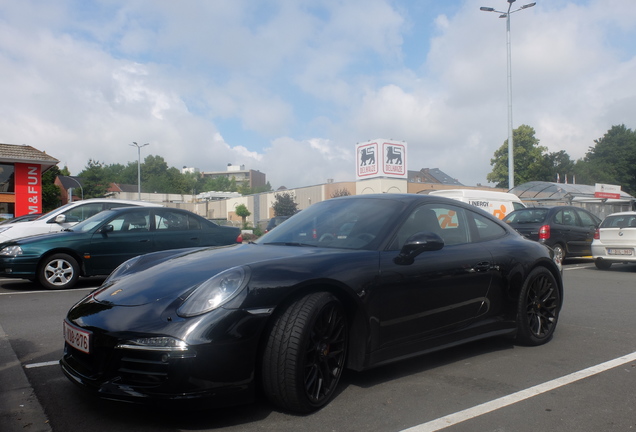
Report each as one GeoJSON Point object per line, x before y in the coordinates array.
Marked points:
{"type": "Point", "coordinates": [607, 195]}
{"type": "Point", "coordinates": [28, 189]}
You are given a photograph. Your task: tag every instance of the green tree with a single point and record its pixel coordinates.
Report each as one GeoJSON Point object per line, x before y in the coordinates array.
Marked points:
{"type": "Point", "coordinates": [284, 204]}
{"type": "Point", "coordinates": [612, 160]}
{"type": "Point", "coordinates": [529, 161]}
{"type": "Point", "coordinates": [51, 194]}
{"type": "Point", "coordinates": [94, 180]}
{"type": "Point", "coordinates": [242, 211]}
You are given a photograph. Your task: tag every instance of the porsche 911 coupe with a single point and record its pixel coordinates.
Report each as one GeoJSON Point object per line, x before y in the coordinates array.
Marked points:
{"type": "Point", "coordinates": [351, 282]}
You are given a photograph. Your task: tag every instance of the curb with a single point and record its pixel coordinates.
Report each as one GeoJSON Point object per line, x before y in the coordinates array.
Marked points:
{"type": "Point", "coordinates": [20, 409]}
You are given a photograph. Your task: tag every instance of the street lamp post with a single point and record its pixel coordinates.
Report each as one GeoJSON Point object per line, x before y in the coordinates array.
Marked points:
{"type": "Point", "coordinates": [134, 144]}
{"type": "Point", "coordinates": [506, 15]}
{"type": "Point", "coordinates": [71, 189]}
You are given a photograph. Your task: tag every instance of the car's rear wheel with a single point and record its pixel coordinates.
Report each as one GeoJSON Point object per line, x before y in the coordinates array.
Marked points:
{"type": "Point", "coordinates": [305, 353]}
{"type": "Point", "coordinates": [601, 264]}
{"type": "Point", "coordinates": [58, 271]}
{"type": "Point", "coordinates": [559, 252]}
{"type": "Point", "coordinates": [538, 307]}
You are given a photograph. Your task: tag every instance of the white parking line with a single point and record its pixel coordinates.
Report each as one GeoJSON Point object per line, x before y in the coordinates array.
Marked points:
{"type": "Point", "coordinates": [470, 413]}
{"type": "Point", "coordinates": [47, 291]}
{"type": "Point", "coordinates": [37, 365]}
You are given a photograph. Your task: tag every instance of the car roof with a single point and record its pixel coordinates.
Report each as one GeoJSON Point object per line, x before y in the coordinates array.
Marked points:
{"type": "Point", "coordinates": [625, 213]}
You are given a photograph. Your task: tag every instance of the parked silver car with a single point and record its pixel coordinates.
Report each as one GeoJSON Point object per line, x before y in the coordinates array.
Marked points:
{"type": "Point", "coordinates": [615, 240]}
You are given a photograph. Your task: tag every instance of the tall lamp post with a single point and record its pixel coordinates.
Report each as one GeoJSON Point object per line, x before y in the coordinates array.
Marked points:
{"type": "Point", "coordinates": [71, 189]}
{"type": "Point", "coordinates": [134, 144]}
{"type": "Point", "coordinates": [506, 15]}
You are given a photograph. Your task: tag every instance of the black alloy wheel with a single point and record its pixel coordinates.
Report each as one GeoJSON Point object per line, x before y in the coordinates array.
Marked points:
{"type": "Point", "coordinates": [538, 308]}
{"type": "Point", "coordinates": [305, 353]}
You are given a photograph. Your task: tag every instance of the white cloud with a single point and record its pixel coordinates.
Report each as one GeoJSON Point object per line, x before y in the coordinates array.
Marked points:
{"type": "Point", "coordinates": [289, 87]}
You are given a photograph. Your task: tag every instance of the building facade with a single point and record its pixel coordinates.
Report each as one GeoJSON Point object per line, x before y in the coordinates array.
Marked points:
{"type": "Point", "coordinates": [21, 169]}
{"type": "Point", "coordinates": [242, 176]}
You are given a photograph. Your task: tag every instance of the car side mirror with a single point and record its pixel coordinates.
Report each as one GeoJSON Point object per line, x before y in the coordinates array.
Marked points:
{"type": "Point", "coordinates": [416, 244]}
{"type": "Point", "coordinates": [60, 218]}
{"type": "Point", "coordinates": [106, 229]}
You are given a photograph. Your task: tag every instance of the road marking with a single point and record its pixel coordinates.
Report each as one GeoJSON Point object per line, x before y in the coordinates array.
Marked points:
{"type": "Point", "coordinates": [37, 365]}
{"type": "Point", "coordinates": [47, 291]}
{"type": "Point", "coordinates": [485, 408]}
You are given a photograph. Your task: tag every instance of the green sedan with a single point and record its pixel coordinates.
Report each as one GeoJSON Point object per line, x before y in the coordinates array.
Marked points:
{"type": "Point", "coordinates": [99, 244]}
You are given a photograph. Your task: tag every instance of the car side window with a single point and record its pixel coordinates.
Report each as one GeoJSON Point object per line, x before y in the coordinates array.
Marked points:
{"type": "Point", "coordinates": [84, 211]}
{"type": "Point", "coordinates": [586, 219]}
{"type": "Point", "coordinates": [447, 221]}
{"type": "Point", "coordinates": [566, 217]}
{"type": "Point", "coordinates": [487, 229]}
{"type": "Point", "coordinates": [171, 221]}
{"type": "Point", "coordinates": [132, 221]}
{"type": "Point", "coordinates": [193, 223]}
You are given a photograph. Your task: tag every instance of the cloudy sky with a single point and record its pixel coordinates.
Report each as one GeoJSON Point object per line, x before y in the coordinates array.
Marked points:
{"type": "Point", "coordinates": [288, 87]}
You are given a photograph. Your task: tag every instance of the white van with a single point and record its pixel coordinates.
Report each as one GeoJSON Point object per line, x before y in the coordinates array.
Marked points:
{"type": "Point", "coordinates": [499, 204]}
{"type": "Point", "coordinates": [65, 217]}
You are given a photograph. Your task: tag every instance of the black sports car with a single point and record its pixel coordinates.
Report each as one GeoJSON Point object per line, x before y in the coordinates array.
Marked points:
{"type": "Point", "coordinates": [351, 282]}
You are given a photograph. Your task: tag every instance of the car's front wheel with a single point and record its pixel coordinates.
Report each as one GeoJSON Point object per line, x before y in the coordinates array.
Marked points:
{"type": "Point", "coordinates": [538, 307]}
{"type": "Point", "coordinates": [58, 271]}
{"type": "Point", "coordinates": [305, 353]}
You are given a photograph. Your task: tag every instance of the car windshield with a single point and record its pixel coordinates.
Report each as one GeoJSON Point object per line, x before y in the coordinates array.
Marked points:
{"type": "Point", "coordinates": [337, 223]}
{"type": "Point", "coordinates": [527, 216]}
{"type": "Point", "coordinates": [55, 210]}
{"type": "Point", "coordinates": [93, 221]}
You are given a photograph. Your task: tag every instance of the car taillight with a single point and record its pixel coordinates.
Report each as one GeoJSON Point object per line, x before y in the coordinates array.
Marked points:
{"type": "Point", "coordinates": [239, 239]}
{"type": "Point", "coordinates": [544, 232]}
{"type": "Point", "coordinates": [597, 234]}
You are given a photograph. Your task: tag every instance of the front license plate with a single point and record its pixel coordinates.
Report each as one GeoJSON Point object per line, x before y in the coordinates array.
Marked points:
{"type": "Point", "coordinates": [620, 252]}
{"type": "Point", "coordinates": [77, 338]}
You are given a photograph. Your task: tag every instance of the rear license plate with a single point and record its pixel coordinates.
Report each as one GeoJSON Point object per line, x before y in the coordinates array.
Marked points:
{"type": "Point", "coordinates": [77, 338]}
{"type": "Point", "coordinates": [620, 252]}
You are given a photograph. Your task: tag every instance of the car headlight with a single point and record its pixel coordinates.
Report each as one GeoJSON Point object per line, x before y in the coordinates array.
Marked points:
{"type": "Point", "coordinates": [163, 343]}
{"type": "Point", "coordinates": [11, 251]}
{"type": "Point", "coordinates": [214, 292]}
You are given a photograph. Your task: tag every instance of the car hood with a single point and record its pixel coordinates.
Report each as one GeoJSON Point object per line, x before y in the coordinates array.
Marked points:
{"type": "Point", "coordinates": [174, 274]}
{"type": "Point", "coordinates": [45, 237]}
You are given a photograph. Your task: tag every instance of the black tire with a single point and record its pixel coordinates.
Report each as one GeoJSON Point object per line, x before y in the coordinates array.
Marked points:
{"type": "Point", "coordinates": [58, 271]}
{"type": "Point", "coordinates": [305, 353]}
{"type": "Point", "coordinates": [602, 264]}
{"type": "Point", "coordinates": [559, 251]}
{"type": "Point", "coordinates": [538, 308]}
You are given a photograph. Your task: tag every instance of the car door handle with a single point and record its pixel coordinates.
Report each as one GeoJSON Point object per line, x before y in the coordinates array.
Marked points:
{"type": "Point", "coordinates": [144, 241]}
{"type": "Point", "coordinates": [481, 267]}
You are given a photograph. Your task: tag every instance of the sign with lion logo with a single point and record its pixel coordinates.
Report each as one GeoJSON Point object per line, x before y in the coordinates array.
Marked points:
{"type": "Point", "coordinates": [381, 158]}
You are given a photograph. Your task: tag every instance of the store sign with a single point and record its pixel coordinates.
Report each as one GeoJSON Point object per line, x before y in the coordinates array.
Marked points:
{"type": "Point", "coordinates": [381, 158]}
{"type": "Point", "coordinates": [28, 189]}
{"type": "Point", "coordinates": [607, 191]}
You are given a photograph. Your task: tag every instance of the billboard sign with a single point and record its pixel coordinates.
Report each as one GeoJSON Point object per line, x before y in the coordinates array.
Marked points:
{"type": "Point", "coordinates": [381, 158]}
{"type": "Point", "coordinates": [607, 191]}
{"type": "Point", "coordinates": [28, 189]}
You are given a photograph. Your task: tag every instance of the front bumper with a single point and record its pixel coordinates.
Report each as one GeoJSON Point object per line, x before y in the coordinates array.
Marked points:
{"type": "Point", "coordinates": [18, 267]}
{"type": "Point", "coordinates": [219, 372]}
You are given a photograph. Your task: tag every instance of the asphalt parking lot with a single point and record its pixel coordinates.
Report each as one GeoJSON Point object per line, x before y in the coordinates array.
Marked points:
{"type": "Point", "coordinates": [582, 380]}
